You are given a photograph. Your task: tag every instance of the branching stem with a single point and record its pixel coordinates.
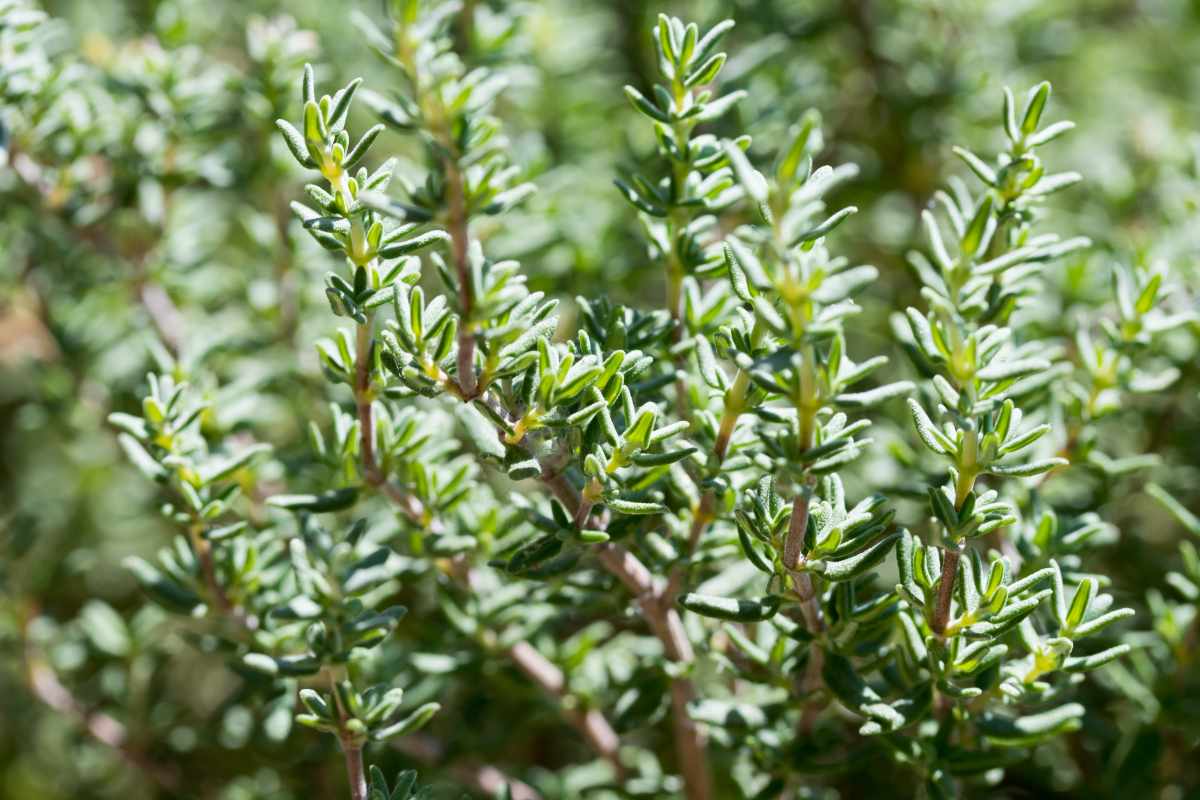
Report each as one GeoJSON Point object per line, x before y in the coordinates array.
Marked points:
{"type": "Point", "coordinates": [941, 615]}
{"type": "Point", "coordinates": [351, 745]}
{"type": "Point", "coordinates": [658, 609]}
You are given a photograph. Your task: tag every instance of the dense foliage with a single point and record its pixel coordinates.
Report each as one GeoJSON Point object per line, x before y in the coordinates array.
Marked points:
{"type": "Point", "coordinates": [523, 418]}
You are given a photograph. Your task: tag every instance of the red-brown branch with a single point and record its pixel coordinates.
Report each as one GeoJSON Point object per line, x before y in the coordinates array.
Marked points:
{"type": "Point", "coordinates": [658, 609]}
{"type": "Point", "coordinates": [101, 727]}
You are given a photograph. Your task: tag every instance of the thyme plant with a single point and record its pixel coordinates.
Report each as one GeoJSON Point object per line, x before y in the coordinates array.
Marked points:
{"type": "Point", "coordinates": [712, 534]}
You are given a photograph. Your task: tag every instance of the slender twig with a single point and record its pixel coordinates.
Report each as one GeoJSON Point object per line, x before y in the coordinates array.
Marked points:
{"type": "Point", "coordinates": [793, 547]}
{"type": "Point", "coordinates": [362, 400]}
{"type": "Point", "coordinates": [485, 778]}
{"type": "Point", "coordinates": [658, 609]}
{"type": "Point", "coordinates": [203, 550]}
{"type": "Point", "coordinates": [950, 556]}
{"type": "Point", "coordinates": [104, 729]}
{"type": "Point", "coordinates": [701, 516]}
{"type": "Point", "coordinates": [457, 223]}
{"type": "Point", "coordinates": [806, 593]}
{"type": "Point", "coordinates": [354, 769]}
{"type": "Point", "coordinates": [351, 745]}
{"type": "Point", "coordinates": [809, 684]}
{"type": "Point", "coordinates": [591, 723]}
{"type": "Point", "coordinates": [941, 615]}
{"type": "Point", "coordinates": [705, 511]}
{"type": "Point", "coordinates": [166, 316]}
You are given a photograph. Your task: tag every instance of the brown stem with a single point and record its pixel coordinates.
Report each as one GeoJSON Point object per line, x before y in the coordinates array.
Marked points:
{"type": "Point", "coordinates": [941, 615]}
{"type": "Point", "coordinates": [810, 606]}
{"type": "Point", "coordinates": [664, 621]}
{"type": "Point", "coordinates": [658, 609]}
{"type": "Point", "coordinates": [351, 745]}
{"type": "Point", "coordinates": [106, 730]}
{"type": "Point", "coordinates": [793, 545]}
{"type": "Point", "coordinates": [809, 684]}
{"type": "Point", "coordinates": [793, 555]}
{"type": "Point", "coordinates": [354, 769]}
{"type": "Point", "coordinates": [700, 519]}
{"type": "Point", "coordinates": [585, 503]}
{"type": "Point", "coordinates": [485, 778]}
{"type": "Point", "coordinates": [457, 222]}
{"type": "Point", "coordinates": [362, 399]}
{"type": "Point", "coordinates": [589, 722]}
{"type": "Point", "coordinates": [165, 315]}
{"type": "Point", "coordinates": [203, 549]}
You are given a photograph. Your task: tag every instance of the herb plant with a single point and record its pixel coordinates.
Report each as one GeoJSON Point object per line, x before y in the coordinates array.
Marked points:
{"type": "Point", "coordinates": [748, 527]}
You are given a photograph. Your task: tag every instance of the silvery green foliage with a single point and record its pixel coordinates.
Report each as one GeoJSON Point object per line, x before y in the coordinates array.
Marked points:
{"type": "Point", "coordinates": [292, 608]}
{"type": "Point", "coordinates": [960, 647]}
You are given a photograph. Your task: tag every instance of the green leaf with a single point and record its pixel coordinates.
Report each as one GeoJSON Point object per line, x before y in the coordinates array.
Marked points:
{"type": "Point", "coordinates": [1032, 729]}
{"type": "Point", "coordinates": [1034, 108]}
{"type": "Point", "coordinates": [1095, 661]}
{"type": "Point", "coordinates": [481, 432]}
{"type": "Point", "coordinates": [662, 459]}
{"type": "Point", "coordinates": [524, 470]}
{"type": "Point", "coordinates": [223, 469]}
{"type": "Point", "coordinates": [706, 72]}
{"type": "Point", "coordinates": [1101, 622]}
{"type": "Point", "coordinates": [934, 439]}
{"type": "Point", "coordinates": [1080, 603]}
{"type": "Point", "coordinates": [105, 628]}
{"type": "Point", "coordinates": [261, 662]}
{"type": "Point", "coordinates": [750, 179]}
{"type": "Point", "coordinates": [826, 227]}
{"type": "Point", "coordinates": [359, 150]}
{"type": "Point", "coordinates": [1049, 133]}
{"type": "Point", "coordinates": [332, 500]}
{"type": "Point", "coordinates": [314, 126]}
{"type": "Point", "coordinates": [295, 143]}
{"type": "Point", "coordinates": [973, 236]}
{"type": "Point", "coordinates": [413, 245]}
{"type": "Point", "coordinates": [163, 589]}
{"type": "Point", "coordinates": [414, 721]}
{"type": "Point", "coordinates": [1027, 470]}
{"type": "Point", "coordinates": [640, 430]}
{"type": "Point", "coordinates": [1189, 521]}
{"type": "Point", "coordinates": [1004, 370]}
{"type": "Point", "coordinates": [737, 276]}
{"type": "Point", "coordinates": [341, 105]}
{"type": "Point", "coordinates": [849, 568]}
{"type": "Point", "coordinates": [142, 459]}
{"type": "Point", "coordinates": [740, 610]}
{"type": "Point", "coordinates": [645, 106]}
{"type": "Point", "coordinates": [873, 397]}
{"type": "Point", "coordinates": [976, 164]}
{"type": "Point", "coordinates": [637, 201]}
{"type": "Point", "coordinates": [635, 508]}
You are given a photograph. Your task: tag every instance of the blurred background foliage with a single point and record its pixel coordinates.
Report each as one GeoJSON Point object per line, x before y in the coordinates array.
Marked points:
{"type": "Point", "coordinates": [144, 224]}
